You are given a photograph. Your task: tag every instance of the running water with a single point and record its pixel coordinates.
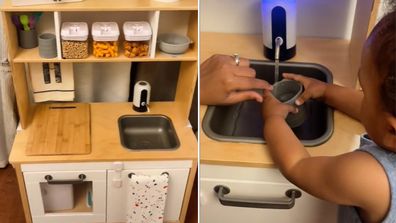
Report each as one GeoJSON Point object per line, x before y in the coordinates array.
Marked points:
{"type": "Point", "coordinates": [276, 71]}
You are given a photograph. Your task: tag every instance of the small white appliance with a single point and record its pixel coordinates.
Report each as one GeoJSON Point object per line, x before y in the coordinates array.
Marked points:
{"type": "Point", "coordinates": [141, 96]}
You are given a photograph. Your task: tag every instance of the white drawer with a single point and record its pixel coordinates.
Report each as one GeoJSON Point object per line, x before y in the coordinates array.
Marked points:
{"type": "Point", "coordinates": [257, 184]}
{"type": "Point", "coordinates": [116, 196]}
{"type": "Point", "coordinates": [93, 182]}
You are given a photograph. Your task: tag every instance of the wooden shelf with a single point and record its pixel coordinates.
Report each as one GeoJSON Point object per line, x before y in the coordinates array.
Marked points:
{"type": "Point", "coordinates": [32, 56]}
{"type": "Point", "coordinates": [106, 5]}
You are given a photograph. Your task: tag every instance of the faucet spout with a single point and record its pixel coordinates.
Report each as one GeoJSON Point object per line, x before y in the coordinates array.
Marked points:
{"type": "Point", "coordinates": [278, 43]}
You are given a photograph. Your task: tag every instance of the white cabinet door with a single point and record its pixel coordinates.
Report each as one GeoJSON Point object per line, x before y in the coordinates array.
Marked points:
{"type": "Point", "coordinates": [257, 184]}
{"type": "Point", "coordinates": [85, 182]}
{"type": "Point", "coordinates": [117, 194]}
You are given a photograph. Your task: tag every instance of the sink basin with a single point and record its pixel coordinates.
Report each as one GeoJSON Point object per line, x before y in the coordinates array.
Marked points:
{"type": "Point", "coordinates": [243, 122]}
{"type": "Point", "coordinates": [146, 132]}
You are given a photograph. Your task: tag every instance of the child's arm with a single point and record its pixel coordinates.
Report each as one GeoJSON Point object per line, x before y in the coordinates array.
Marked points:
{"type": "Point", "coordinates": [349, 179]}
{"type": "Point", "coordinates": [347, 100]}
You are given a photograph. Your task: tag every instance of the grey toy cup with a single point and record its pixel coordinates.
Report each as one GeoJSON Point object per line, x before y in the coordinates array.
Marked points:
{"type": "Point", "coordinates": [27, 38]}
{"type": "Point", "coordinates": [288, 91]}
{"type": "Point", "coordinates": [47, 45]}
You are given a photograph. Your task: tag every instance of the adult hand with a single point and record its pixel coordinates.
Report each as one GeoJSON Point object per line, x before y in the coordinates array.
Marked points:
{"type": "Point", "coordinates": [223, 82]}
{"type": "Point", "coordinates": [314, 89]}
{"type": "Point", "coordinates": [271, 107]}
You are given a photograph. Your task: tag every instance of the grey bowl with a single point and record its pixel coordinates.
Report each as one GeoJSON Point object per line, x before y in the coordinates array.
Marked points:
{"type": "Point", "coordinates": [173, 43]}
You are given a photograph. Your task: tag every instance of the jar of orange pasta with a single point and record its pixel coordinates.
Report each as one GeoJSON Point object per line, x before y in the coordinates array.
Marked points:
{"type": "Point", "coordinates": [105, 39]}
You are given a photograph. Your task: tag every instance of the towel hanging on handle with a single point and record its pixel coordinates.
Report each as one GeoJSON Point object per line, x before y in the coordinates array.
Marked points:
{"type": "Point", "coordinates": [146, 198]}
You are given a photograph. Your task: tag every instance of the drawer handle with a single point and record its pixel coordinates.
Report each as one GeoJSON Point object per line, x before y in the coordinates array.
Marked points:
{"type": "Point", "coordinates": [80, 179]}
{"type": "Point", "coordinates": [221, 190]}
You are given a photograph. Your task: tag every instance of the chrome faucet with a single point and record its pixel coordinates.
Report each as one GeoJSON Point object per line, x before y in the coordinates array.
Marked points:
{"type": "Point", "coordinates": [278, 43]}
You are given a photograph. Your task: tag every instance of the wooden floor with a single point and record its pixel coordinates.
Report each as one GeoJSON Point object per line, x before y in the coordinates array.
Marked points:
{"type": "Point", "coordinates": [10, 202]}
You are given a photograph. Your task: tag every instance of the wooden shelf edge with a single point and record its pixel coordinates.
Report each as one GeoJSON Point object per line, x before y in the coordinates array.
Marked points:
{"type": "Point", "coordinates": [32, 56]}
{"type": "Point", "coordinates": [105, 5]}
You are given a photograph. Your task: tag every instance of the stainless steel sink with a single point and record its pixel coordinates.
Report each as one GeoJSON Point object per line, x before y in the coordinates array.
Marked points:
{"type": "Point", "coordinates": [147, 132]}
{"type": "Point", "coordinates": [243, 122]}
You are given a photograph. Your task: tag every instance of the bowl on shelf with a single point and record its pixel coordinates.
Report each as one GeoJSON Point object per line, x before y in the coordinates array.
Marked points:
{"type": "Point", "coordinates": [173, 43]}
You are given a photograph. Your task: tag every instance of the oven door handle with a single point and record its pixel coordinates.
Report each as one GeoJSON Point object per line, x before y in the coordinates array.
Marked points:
{"type": "Point", "coordinates": [80, 179]}
{"type": "Point", "coordinates": [292, 195]}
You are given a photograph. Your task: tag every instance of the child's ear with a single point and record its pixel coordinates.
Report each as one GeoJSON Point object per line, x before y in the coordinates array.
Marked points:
{"type": "Point", "coordinates": [391, 133]}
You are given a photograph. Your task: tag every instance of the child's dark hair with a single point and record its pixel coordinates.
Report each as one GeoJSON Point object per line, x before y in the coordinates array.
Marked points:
{"type": "Point", "coordinates": [383, 52]}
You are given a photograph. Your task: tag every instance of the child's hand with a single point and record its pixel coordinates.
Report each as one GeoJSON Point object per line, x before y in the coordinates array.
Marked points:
{"type": "Point", "coordinates": [313, 88]}
{"type": "Point", "coordinates": [273, 108]}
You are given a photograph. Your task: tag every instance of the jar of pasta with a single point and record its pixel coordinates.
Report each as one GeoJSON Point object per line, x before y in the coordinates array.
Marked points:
{"type": "Point", "coordinates": [74, 40]}
{"type": "Point", "coordinates": [105, 39]}
{"type": "Point", "coordinates": [137, 39]}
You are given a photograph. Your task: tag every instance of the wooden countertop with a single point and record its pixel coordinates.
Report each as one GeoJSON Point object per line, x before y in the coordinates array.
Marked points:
{"type": "Point", "coordinates": [105, 138]}
{"type": "Point", "coordinates": [332, 53]}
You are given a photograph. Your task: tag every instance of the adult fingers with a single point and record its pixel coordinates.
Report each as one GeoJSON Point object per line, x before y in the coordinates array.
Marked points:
{"type": "Point", "coordinates": [240, 96]}
{"type": "Point", "coordinates": [243, 62]}
{"type": "Point", "coordinates": [248, 83]}
{"type": "Point", "coordinates": [244, 72]}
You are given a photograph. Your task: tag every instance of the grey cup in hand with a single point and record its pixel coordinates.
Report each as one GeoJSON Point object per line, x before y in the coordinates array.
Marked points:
{"type": "Point", "coordinates": [288, 91]}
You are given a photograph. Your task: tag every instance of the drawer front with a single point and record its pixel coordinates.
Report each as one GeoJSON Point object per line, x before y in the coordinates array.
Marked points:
{"type": "Point", "coordinates": [116, 199]}
{"type": "Point", "coordinates": [38, 190]}
{"type": "Point", "coordinates": [307, 209]}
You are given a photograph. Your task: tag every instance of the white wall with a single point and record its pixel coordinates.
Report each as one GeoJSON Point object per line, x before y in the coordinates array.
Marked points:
{"type": "Point", "coordinates": [383, 9]}
{"type": "Point", "coordinates": [321, 18]}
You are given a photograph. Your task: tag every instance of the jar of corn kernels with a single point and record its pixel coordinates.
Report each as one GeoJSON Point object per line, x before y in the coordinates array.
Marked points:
{"type": "Point", "coordinates": [74, 40]}
{"type": "Point", "coordinates": [105, 39]}
{"type": "Point", "coordinates": [137, 39]}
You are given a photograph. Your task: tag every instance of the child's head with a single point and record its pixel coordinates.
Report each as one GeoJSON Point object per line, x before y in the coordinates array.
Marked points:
{"type": "Point", "coordinates": [378, 80]}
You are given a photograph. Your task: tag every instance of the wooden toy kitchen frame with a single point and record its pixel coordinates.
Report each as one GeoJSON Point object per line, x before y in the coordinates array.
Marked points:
{"type": "Point", "coordinates": [108, 160]}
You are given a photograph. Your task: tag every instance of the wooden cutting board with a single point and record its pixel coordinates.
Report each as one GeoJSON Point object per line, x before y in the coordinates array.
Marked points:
{"type": "Point", "coordinates": [60, 129]}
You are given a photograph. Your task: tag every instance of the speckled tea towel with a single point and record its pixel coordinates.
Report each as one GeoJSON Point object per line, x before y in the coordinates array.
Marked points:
{"type": "Point", "coordinates": [146, 198]}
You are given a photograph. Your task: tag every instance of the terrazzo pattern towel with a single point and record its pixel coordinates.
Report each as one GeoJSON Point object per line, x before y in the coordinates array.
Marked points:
{"type": "Point", "coordinates": [146, 198]}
